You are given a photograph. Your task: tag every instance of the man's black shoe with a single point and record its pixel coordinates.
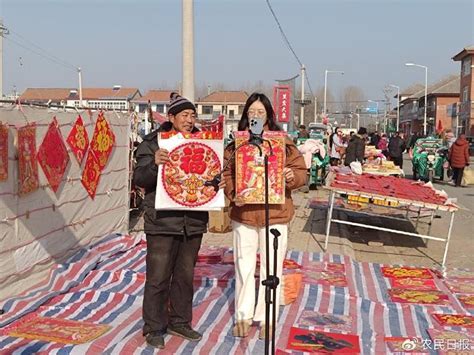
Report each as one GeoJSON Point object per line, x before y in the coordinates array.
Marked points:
{"type": "Point", "coordinates": [155, 339]}
{"type": "Point", "coordinates": [184, 331]}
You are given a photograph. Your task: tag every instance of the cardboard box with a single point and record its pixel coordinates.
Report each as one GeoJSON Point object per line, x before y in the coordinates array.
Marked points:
{"type": "Point", "coordinates": [219, 221]}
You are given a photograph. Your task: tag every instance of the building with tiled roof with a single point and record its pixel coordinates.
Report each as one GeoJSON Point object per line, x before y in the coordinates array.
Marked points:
{"type": "Point", "coordinates": [440, 96]}
{"type": "Point", "coordinates": [114, 98]}
{"type": "Point", "coordinates": [228, 103]}
{"type": "Point", "coordinates": [158, 99]}
{"type": "Point", "coordinates": [54, 96]}
{"type": "Point", "coordinates": [465, 106]}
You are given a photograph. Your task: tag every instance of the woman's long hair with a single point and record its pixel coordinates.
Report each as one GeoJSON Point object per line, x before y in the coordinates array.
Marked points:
{"type": "Point", "coordinates": [244, 120]}
{"type": "Point", "coordinates": [331, 138]}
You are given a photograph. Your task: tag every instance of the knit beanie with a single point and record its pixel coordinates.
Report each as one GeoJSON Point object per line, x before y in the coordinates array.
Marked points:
{"type": "Point", "coordinates": [178, 104]}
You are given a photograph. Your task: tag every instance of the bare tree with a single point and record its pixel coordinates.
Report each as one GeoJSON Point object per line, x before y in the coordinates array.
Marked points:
{"type": "Point", "coordinates": [351, 97]}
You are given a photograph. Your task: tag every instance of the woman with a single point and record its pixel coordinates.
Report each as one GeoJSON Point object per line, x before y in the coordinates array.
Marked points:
{"type": "Point", "coordinates": [459, 158]}
{"type": "Point", "coordinates": [383, 145]}
{"type": "Point", "coordinates": [248, 222]}
{"type": "Point", "coordinates": [337, 147]}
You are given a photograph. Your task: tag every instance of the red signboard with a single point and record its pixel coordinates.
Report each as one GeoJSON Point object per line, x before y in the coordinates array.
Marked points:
{"type": "Point", "coordinates": [282, 98]}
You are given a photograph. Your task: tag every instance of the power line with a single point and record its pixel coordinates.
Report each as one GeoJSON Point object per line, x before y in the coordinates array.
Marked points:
{"type": "Point", "coordinates": [288, 44]}
{"type": "Point", "coordinates": [42, 52]}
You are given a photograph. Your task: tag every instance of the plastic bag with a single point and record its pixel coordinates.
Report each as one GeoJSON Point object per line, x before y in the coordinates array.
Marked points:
{"type": "Point", "coordinates": [468, 177]}
{"type": "Point", "coordinates": [356, 167]}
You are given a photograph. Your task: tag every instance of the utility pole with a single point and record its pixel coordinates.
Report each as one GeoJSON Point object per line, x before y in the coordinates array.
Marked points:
{"type": "Point", "coordinates": [315, 109]}
{"type": "Point", "coordinates": [3, 32]}
{"type": "Point", "coordinates": [302, 95]}
{"type": "Point", "coordinates": [79, 73]}
{"type": "Point", "coordinates": [188, 50]}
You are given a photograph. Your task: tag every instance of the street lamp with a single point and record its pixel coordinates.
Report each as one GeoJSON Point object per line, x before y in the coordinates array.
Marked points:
{"type": "Point", "coordinates": [426, 90]}
{"type": "Point", "coordinates": [377, 115]}
{"type": "Point", "coordinates": [398, 104]}
{"type": "Point", "coordinates": [326, 84]}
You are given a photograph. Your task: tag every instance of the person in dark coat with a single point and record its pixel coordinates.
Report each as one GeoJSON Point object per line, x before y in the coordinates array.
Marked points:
{"type": "Point", "coordinates": [356, 148]}
{"type": "Point", "coordinates": [459, 158]}
{"type": "Point", "coordinates": [396, 147]}
{"type": "Point", "coordinates": [173, 239]}
{"type": "Point", "coordinates": [303, 133]}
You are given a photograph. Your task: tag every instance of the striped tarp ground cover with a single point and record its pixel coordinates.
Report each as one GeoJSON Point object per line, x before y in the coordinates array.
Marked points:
{"type": "Point", "coordinates": [104, 284]}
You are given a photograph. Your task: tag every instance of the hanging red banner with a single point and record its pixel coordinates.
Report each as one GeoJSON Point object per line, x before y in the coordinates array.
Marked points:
{"type": "Point", "coordinates": [3, 152]}
{"type": "Point", "coordinates": [78, 140]}
{"type": "Point", "coordinates": [53, 156]}
{"type": "Point", "coordinates": [102, 141]}
{"type": "Point", "coordinates": [91, 174]}
{"type": "Point", "coordinates": [27, 167]}
{"type": "Point", "coordinates": [282, 96]}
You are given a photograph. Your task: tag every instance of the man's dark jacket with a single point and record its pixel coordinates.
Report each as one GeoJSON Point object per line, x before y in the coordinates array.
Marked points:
{"type": "Point", "coordinates": [162, 222]}
{"type": "Point", "coordinates": [355, 150]}
{"type": "Point", "coordinates": [396, 146]}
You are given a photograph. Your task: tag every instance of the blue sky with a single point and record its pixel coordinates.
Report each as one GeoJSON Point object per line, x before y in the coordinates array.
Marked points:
{"type": "Point", "coordinates": [237, 42]}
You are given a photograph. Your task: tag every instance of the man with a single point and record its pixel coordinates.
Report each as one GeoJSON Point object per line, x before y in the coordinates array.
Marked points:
{"type": "Point", "coordinates": [459, 158]}
{"type": "Point", "coordinates": [303, 133]}
{"type": "Point", "coordinates": [173, 239]}
{"type": "Point", "coordinates": [396, 147]}
{"type": "Point", "coordinates": [356, 148]}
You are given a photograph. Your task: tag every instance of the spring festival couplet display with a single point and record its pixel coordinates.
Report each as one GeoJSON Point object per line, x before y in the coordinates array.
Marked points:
{"type": "Point", "coordinates": [27, 163]}
{"type": "Point", "coordinates": [250, 170]}
{"type": "Point", "coordinates": [181, 181]}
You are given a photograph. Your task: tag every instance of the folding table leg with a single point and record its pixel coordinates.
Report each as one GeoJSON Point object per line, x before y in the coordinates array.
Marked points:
{"type": "Point", "coordinates": [447, 241]}
{"type": "Point", "coordinates": [329, 218]}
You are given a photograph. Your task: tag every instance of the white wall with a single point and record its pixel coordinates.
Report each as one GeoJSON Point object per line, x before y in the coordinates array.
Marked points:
{"type": "Point", "coordinates": [34, 235]}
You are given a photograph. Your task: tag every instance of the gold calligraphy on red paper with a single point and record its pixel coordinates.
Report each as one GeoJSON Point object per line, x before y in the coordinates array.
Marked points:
{"type": "Point", "coordinates": [27, 165]}
{"type": "Point", "coordinates": [3, 152]}
{"type": "Point", "coordinates": [190, 165]}
{"type": "Point", "coordinates": [466, 300]}
{"type": "Point", "coordinates": [404, 272]}
{"type": "Point", "coordinates": [91, 174]}
{"type": "Point", "coordinates": [102, 141]}
{"type": "Point", "coordinates": [53, 156]}
{"type": "Point", "coordinates": [453, 320]}
{"type": "Point", "coordinates": [55, 330]}
{"type": "Point", "coordinates": [401, 295]}
{"type": "Point", "coordinates": [250, 171]}
{"type": "Point", "coordinates": [78, 139]}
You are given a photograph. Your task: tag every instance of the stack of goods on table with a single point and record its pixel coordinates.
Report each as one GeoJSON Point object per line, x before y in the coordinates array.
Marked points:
{"type": "Point", "coordinates": [384, 167]}
{"type": "Point", "coordinates": [371, 152]}
{"type": "Point", "coordinates": [389, 186]}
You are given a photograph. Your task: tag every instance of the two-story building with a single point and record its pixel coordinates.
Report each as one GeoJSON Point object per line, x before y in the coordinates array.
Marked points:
{"type": "Point", "coordinates": [440, 96]}
{"type": "Point", "coordinates": [158, 99]}
{"type": "Point", "coordinates": [409, 109]}
{"type": "Point", "coordinates": [228, 103]}
{"type": "Point", "coordinates": [463, 114]}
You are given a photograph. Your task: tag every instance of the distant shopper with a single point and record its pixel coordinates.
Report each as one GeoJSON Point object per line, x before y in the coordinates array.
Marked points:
{"type": "Point", "coordinates": [383, 144]}
{"type": "Point", "coordinates": [449, 138]}
{"type": "Point", "coordinates": [336, 146]}
{"type": "Point", "coordinates": [459, 158]}
{"type": "Point", "coordinates": [356, 148]}
{"type": "Point", "coordinates": [396, 147]}
{"type": "Point", "coordinates": [303, 133]}
{"type": "Point", "coordinates": [374, 138]}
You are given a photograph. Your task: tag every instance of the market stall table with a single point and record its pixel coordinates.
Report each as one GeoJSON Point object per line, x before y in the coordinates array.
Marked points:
{"type": "Point", "coordinates": [390, 192]}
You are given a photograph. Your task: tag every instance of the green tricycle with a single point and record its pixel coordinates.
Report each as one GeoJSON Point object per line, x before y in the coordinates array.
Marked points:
{"type": "Point", "coordinates": [318, 170]}
{"type": "Point", "coordinates": [429, 156]}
